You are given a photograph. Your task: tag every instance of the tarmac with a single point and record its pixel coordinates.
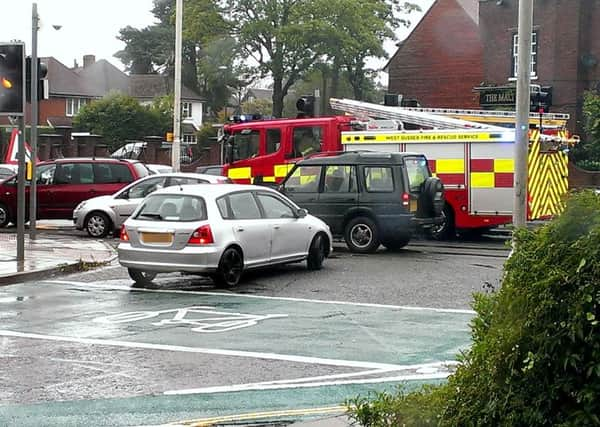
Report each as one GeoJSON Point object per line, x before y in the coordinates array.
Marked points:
{"type": "Point", "coordinates": [53, 254]}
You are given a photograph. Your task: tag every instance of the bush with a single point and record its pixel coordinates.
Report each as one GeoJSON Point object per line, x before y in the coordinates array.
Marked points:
{"type": "Point", "coordinates": [535, 358]}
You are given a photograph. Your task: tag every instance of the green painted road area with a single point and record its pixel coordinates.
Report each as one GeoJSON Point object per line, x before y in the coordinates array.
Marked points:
{"type": "Point", "coordinates": [282, 353]}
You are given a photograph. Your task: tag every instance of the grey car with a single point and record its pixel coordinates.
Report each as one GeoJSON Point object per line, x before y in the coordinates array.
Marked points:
{"type": "Point", "coordinates": [219, 231]}
{"type": "Point", "coordinates": [102, 215]}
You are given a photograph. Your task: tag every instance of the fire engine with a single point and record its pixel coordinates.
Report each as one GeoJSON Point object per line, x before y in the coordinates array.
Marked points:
{"type": "Point", "coordinates": [471, 151]}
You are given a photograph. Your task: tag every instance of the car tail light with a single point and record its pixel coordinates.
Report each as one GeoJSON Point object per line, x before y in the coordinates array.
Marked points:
{"type": "Point", "coordinates": [405, 199]}
{"type": "Point", "coordinates": [202, 236]}
{"type": "Point", "coordinates": [124, 237]}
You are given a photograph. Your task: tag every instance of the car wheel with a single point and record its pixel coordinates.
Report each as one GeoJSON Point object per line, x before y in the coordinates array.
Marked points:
{"type": "Point", "coordinates": [446, 230]}
{"type": "Point", "coordinates": [141, 277]}
{"type": "Point", "coordinates": [361, 235]}
{"type": "Point", "coordinates": [4, 216]}
{"type": "Point", "coordinates": [230, 268]}
{"type": "Point", "coordinates": [316, 253]}
{"type": "Point", "coordinates": [394, 245]}
{"type": "Point", "coordinates": [97, 225]}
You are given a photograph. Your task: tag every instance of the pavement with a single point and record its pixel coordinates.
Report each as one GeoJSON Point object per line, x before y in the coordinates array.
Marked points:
{"type": "Point", "coordinates": [52, 254]}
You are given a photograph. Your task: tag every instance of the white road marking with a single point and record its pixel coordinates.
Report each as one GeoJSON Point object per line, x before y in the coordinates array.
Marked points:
{"type": "Point", "coordinates": [223, 294]}
{"type": "Point", "coordinates": [220, 352]}
{"type": "Point", "coordinates": [250, 387]}
{"type": "Point", "coordinates": [210, 320]}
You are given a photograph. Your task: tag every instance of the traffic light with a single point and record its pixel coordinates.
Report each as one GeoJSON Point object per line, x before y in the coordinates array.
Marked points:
{"type": "Point", "coordinates": [12, 58]}
{"type": "Point", "coordinates": [541, 99]}
{"type": "Point", "coordinates": [42, 70]}
{"type": "Point", "coordinates": [306, 106]}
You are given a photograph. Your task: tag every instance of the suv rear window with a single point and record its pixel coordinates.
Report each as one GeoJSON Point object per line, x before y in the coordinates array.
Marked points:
{"type": "Point", "coordinates": [418, 171]}
{"type": "Point", "coordinates": [172, 207]}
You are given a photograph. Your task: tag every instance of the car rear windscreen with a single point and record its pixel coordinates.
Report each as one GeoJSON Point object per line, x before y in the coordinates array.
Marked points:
{"type": "Point", "coordinates": [172, 207]}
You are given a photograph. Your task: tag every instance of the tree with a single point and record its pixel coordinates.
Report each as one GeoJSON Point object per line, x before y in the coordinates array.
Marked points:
{"type": "Point", "coordinates": [152, 49]}
{"type": "Point", "coordinates": [119, 117]}
{"type": "Point", "coordinates": [359, 33]}
{"type": "Point", "coordinates": [284, 37]}
{"type": "Point", "coordinates": [587, 152]}
{"type": "Point", "coordinates": [258, 106]}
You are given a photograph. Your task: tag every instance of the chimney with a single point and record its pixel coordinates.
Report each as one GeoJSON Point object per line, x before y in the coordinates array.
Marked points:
{"type": "Point", "coordinates": [88, 60]}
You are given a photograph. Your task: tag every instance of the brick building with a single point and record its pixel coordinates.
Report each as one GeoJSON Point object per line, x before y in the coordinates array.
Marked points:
{"type": "Point", "coordinates": [440, 62]}
{"type": "Point", "coordinates": [464, 44]}
{"type": "Point", "coordinates": [565, 49]}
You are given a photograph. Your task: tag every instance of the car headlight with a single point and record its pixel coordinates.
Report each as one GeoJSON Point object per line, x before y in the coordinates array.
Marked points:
{"type": "Point", "coordinates": [80, 206]}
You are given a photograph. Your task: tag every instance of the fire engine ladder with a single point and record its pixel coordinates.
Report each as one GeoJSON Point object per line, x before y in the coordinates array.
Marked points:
{"type": "Point", "coordinates": [488, 114]}
{"type": "Point", "coordinates": [419, 118]}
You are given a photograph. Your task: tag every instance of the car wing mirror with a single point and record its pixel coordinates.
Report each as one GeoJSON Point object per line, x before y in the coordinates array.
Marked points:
{"type": "Point", "coordinates": [301, 213]}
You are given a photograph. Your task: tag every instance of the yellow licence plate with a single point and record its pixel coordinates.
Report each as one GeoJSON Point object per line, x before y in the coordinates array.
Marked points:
{"type": "Point", "coordinates": [412, 207]}
{"type": "Point", "coordinates": [157, 237]}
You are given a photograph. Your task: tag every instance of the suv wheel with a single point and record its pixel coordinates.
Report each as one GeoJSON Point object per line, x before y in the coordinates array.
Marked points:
{"type": "Point", "coordinates": [361, 235]}
{"type": "Point", "coordinates": [97, 225]}
{"type": "Point", "coordinates": [394, 245]}
{"type": "Point", "coordinates": [4, 216]}
{"type": "Point", "coordinates": [446, 230]}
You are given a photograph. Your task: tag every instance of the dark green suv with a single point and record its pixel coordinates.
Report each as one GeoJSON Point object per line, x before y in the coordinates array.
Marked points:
{"type": "Point", "coordinates": [369, 198]}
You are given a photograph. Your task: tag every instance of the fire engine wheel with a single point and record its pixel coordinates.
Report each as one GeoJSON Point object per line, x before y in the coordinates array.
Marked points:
{"type": "Point", "coordinates": [446, 230]}
{"type": "Point", "coordinates": [4, 215]}
{"type": "Point", "coordinates": [361, 235]}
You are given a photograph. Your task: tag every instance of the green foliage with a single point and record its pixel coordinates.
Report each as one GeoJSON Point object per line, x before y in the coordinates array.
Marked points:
{"type": "Point", "coordinates": [590, 165]}
{"type": "Point", "coordinates": [420, 408]}
{"type": "Point", "coordinates": [258, 106]}
{"type": "Point", "coordinates": [535, 358]}
{"type": "Point", "coordinates": [587, 152]}
{"type": "Point", "coordinates": [118, 118]}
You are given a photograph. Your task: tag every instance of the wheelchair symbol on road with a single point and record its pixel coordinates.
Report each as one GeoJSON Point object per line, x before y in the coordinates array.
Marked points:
{"type": "Point", "coordinates": [202, 318]}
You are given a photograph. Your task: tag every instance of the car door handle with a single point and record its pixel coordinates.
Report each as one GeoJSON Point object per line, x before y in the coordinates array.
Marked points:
{"type": "Point", "coordinates": [240, 229]}
{"type": "Point", "coordinates": [276, 227]}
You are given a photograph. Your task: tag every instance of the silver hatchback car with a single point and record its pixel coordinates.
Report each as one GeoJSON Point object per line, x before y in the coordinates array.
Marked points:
{"type": "Point", "coordinates": [219, 231]}
{"type": "Point", "coordinates": [102, 215]}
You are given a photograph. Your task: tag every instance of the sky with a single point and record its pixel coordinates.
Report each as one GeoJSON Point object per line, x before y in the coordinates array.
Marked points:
{"type": "Point", "coordinates": [91, 27]}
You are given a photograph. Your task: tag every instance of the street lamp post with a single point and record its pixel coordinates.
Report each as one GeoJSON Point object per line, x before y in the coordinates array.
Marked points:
{"type": "Point", "coordinates": [176, 149]}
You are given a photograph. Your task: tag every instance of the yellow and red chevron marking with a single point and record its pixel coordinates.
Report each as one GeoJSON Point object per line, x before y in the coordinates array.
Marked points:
{"type": "Point", "coordinates": [548, 179]}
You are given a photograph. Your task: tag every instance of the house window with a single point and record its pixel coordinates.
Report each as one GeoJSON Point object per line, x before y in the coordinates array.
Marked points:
{"type": "Point", "coordinates": [186, 110]}
{"type": "Point", "coordinates": [189, 138]}
{"type": "Point", "coordinates": [515, 55]}
{"type": "Point", "coordinates": [74, 105]}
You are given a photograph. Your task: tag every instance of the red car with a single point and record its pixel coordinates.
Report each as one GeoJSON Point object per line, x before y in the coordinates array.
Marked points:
{"type": "Point", "coordinates": [63, 183]}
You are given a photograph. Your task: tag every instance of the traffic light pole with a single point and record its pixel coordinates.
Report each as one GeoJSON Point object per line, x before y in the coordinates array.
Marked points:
{"type": "Point", "coordinates": [21, 192]}
{"type": "Point", "coordinates": [34, 122]}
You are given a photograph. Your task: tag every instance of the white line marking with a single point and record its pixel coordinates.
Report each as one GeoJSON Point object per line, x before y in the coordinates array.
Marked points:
{"type": "Point", "coordinates": [223, 294]}
{"type": "Point", "coordinates": [249, 387]}
{"type": "Point", "coordinates": [220, 352]}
